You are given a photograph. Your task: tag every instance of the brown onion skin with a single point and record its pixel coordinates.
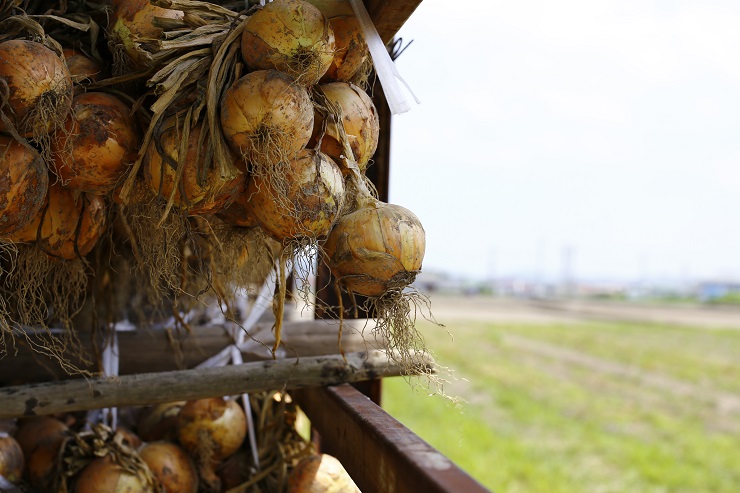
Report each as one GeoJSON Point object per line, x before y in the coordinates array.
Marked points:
{"type": "Point", "coordinates": [266, 102]}
{"type": "Point", "coordinates": [98, 143]}
{"type": "Point", "coordinates": [81, 67]}
{"type": "Point", "coordinates": [35, 431]}
{"type": "Point", "coordinates": [361, 124]}
{"type": "Point", "coordinates": [239, 213]}
{"type": "Point", "coordinates": [320, 474]}
{"type": "Point", "coordinates": [172, 467]}
{"type": "Point", "coordinates": [34, 74]}
{"type": "Point", "coordinates": [291, 36]}
{"type": "Point", "coordinates": [211, 196]}
{"type": "Point", "coordinates": [70, 224]}
{"type": "Point", "coordinates": [314, 197]}
{"type": "Point", "coordinates": [235, 470]}
{"type": "Point", "coordinates": [11, 459]}
{"type": "Point", "coordinates": [104, 476]}
{"type": "Point", "coordinates": [351, 50]}
{"type": "Point", "coordinates": [222, 420]}
{"type": "Point", "coordinates": [41, 465]}
{"type": "Point", "coordinates": [24, 182]}
{"type": "Point", "coordinates": [376, 248]}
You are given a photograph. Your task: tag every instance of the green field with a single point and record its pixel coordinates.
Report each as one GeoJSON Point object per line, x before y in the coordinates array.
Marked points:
{"type": "Point", "coordinates": [590, 407]}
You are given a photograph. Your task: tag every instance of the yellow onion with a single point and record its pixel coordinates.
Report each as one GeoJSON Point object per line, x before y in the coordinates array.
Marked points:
{"type": "Point", "coordinates": [376, 248]}
{"type": "Point", "coordinates": [200, 189]}
{"type": "Point", "coordinates": [159, 422]}
{"type": "Point", "coordinates": [352, 51]}
{"type": "Point", "coordinates": [320, 474]}
{"type": "Point", "coordinates": [266, 117]}
{"type": "Point", "coordinates": [35, 431]}
{"type": "Point", "coordinates": [212, 428]}
{"type": "Point", "coordinates": [102, 475]}
{"type": "Point", "coordinates": [239, 213]}
{"type": "Point", "coordinates": [39, 87]}
{"type": "Point", "coordinates": [81, 67]}
{"type": "Point", "coordinates": [128, 437]}
{"type": "Point", "coordinates": [132, 31]}
{"type": "Point", "coordinates": [68, 225]}
{"type": "Point", "coordinates": [235, 470]}
{"type": "Point", "coordinates": [24, 182]}
{"type": "Point", "coordinates": [359, 119]}
{"type": "Point", "coordinates": [41, 464]}
{"type": "Point", "coordinates": [307, 206]}
{"type": "Point", "coordinates": [11, 459]}
{"type": "Point", "coordinates": [292, 36]}
{"type": "Point", "coordinates": [171, 466]}
{"type": "Point", "coordinates": [99, 141]}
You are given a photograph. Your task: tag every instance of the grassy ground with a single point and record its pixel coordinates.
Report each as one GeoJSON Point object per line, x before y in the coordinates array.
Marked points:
{"type": "Point", "coordinates": [584, 407]}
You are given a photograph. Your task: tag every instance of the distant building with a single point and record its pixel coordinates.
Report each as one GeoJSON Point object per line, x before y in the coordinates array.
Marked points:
{"type": "Point", "coordinates": [714, 290]}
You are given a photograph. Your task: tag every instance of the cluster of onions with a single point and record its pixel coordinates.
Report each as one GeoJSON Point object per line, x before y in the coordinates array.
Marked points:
{"type": "Point", "coordinates": [320, 473]}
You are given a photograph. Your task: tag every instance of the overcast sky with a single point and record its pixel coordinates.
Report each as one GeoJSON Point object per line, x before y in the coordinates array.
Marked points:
{"type": "Point", "coordinates": [610, 129]}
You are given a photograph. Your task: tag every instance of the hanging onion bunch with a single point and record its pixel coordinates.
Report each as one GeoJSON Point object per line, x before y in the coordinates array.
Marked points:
{"type": "Point", "coordinates": [291, 36]}
{"type": "Point", "coordinates": [25, 183]}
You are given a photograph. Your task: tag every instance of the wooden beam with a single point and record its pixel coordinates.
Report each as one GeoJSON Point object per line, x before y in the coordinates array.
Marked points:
{"type": "Point", "coordinates": [155, 388]}
{"type": "Point", "coordinates": [389, 15]}
{"type": "Point", "coordinates": [379, 452]}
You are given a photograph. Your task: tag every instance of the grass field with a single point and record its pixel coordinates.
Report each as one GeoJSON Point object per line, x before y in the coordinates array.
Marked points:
{"type": "Point", "coordinates": [593, 407]}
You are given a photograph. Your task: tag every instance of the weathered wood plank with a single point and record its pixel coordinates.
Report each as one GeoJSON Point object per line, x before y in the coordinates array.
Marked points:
{"type": "Point", "coordinates": [389, 15]}
{"type": "Point", "coordinates": [154, 388]}
{"type": "Point", "coordinates": [379, 452]}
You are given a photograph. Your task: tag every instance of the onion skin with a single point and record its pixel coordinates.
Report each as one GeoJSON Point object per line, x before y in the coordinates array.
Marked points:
{"type": "Point", "coordinates": [81, 67]}
{"type": "Point", "coordinates": [211, 196]}
{"type": "Point", "coordinates": [320, 474]}
{"type": "Point", "coordinates": [376, 248]}
{"type": "Point", "coordinates": [361, 124]}
{"type": "Point", "coordinates": [171, 466]}
{"type": "Point", "coordinates": [39, 84]}
{"type": "Point", "coordinates": [58, 235]}
{"type": "Point", "coordinates": [291, 36]}
{"type": "Point", "coordinates": [266, 117]}
{"type": "Point", "coordinates": [351, 49]}
{"type": "Point", "coordinates": [222, 422]}
{"type": "Point", "coordinates": [104, 476]}
{"type": "Point", "coordinates": [11, 459]}
{"type": "Point", "coordinates": [38, 430]}
{"type": "Point", "coordinates": [239, 213]}
{"type": "Point", "coordinates": [98, 143]}
{"type": "Point", "coordinates": [159, 422]}
{"type": "Point", "coordinates": [24, 182]}
{"type": "Point", "coordinates": [310, 205]}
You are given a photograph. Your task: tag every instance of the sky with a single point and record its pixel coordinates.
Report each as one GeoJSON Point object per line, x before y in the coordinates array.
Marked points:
{"type": "Point", "coordinates": [595, 138]}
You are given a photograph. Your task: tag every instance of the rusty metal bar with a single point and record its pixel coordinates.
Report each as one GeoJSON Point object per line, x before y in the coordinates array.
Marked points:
{"type": "Point", "coordinates": [379, 452]}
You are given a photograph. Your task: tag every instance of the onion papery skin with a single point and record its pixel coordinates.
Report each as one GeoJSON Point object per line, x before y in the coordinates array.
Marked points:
{"type": "Point", "coordinates": [11, 459]}
{"type": "Point", "coordinates": [105, 476]}
{"type": "Point", "coordinates": [39, 84]}
{"type": "Point", "coordinates": [376, 248]}
{"type": "Point", "coordinates": [81, 67]}
{"type": "Point", "coordinates": [266, 118]}
{"type": "Point", "coordinates": [131, 28]}
{"type": "Point", "coordinates": [171, 466]}
{"type": "Point", "coordinates": [41, 465]}
{"type": "Point", "coordinates": [218, 421]}
{"type": "Point", "coordinates": [291, 36]}
{"type": "Point", "coordinates": [24, 182]}
{"type": "Point", "coordinates": [307, 207]}
{"type": "Point", "coordinates": [351, 49]}
{"type": "Point", "coordinates": [210, 195]}
{"type": "Point", "coordinates": [320, 474]}
{"type": "Point", "coordinates": [360, 121]}
{"type": "Point", "coordinates": [159, 422]}
{"type": "Point", "coordinates": [68, 225]}
{"type": "Point", "coordinates": [99, 141]}
{"type": "Point", "coordinates": [38, 430]}
{"type": "Point", "coordinates": [239, 213]}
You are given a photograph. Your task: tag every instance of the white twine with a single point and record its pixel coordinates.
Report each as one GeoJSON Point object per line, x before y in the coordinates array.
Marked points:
{"type": "Point", "coordinates": [384, 66]}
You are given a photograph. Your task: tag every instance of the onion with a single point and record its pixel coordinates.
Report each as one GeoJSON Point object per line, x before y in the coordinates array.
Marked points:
{"type": "Point", "coordinates": [41, 464]}
{"type": "Point", "coordinates": [24, 182]}
{"type": "Point", "coordinates": [39, 87]}
{"type": "Point", "coordinates": [81, 67]}
{"type": "Point", "coordinates": [239, 213]}
{"type": "Point", "coordinates": [376, 248]}
{"type": "Point", "coordinates": [11, 459]}
{"type": "Point", "coordinates": [319, 474]}
{"type": "Point", "coordinates": [352, 51]}
{"type": "Point", "coordinates": [171, 466]}
{"type": "Point", "coordinates": [359, 120]}
{"type": "Point", "coordinates": [128, 438]}
{"type": "Point", "coordinates": [235, 470]}
{"type": "Point", "coordinates": [159, 422]}
{"type": "Point", "coordinates": [102, 475]}
{"type": "Point", "coordinates": [213, 427]}
{"type": "Point", "coordinates": [38, 430]}
{"type": "Point", "coordinates": [131, 28]}
{"type": "Point", "coordinates": [292, 36]}
{"type": "Point", "coordinates": [302, 203]}
{"type": "Point", "coordinates": [98, 143]}
{"type": "Point", "coordinates": [266, 117]}
{"type": "Point", "coordinates": [200, 188]}
{"type": "Point", "coordinates": [68, 226]}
